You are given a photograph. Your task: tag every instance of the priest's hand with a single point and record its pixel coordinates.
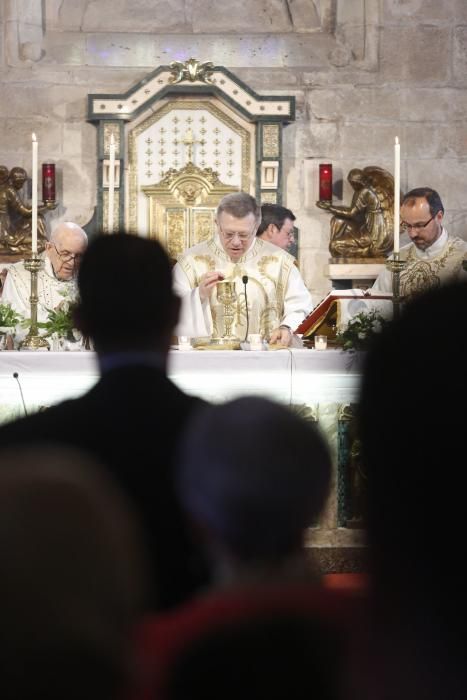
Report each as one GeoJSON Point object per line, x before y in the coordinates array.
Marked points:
{"type": "Point", "coordinates": [207, 283]}
{"type": "Point", "coordinates": [281, 336]}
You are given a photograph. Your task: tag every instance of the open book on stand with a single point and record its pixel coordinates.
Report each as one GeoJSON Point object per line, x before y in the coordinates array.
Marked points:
{"type": "Point", "coordinates": [338, 307]}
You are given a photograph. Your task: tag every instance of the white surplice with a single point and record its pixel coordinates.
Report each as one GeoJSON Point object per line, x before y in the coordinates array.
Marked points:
{"type": "Point", "coordinates": [50, 290]}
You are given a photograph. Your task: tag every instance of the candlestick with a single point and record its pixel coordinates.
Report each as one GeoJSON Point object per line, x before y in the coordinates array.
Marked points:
{"type": "Point", "coordinates": [397, 189]}
{"type": "Point", "coordinates": [110, 225]}
{"type": "Point", "coordinates": [396, 266]}
{"type": "Point", "coordinates": [34, 196]}
{"type": "Point", "coordinates": [48, 182]}
{"type": "Point", "coordinates": [325, 182]}
{"type": "Point", "coordinates": [34, 341]}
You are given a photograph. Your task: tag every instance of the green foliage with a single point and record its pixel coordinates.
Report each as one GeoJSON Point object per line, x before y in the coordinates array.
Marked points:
{"type": "Point", "coordinates": [8, 317]}
{"type": "Point", "coordinates": [60, 321]}
{"type": "Point", "coordinates": [360, 330]}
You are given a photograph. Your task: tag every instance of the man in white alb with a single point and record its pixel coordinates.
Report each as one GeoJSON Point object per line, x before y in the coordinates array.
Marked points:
{"type": "Point", "coordinates": [277, 297]}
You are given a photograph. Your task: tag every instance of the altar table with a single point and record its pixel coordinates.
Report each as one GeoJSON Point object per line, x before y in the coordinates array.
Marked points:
{"type": "Point", "coordinates": [290, 376]}
{"type": "Point", "coordinates": [318, 384]}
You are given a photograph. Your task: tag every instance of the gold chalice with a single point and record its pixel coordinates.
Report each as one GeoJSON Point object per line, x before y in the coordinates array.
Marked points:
{"type": "Point", "coordinates": [227, 296]}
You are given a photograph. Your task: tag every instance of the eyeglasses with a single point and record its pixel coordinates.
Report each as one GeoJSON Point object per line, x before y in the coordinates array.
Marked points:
{"type": "Point", "coordinates": [66, 256]}
{"type": "Point", "coordinates": [418, 226]}
{"type": "Point", "coordinates": [230, 235]}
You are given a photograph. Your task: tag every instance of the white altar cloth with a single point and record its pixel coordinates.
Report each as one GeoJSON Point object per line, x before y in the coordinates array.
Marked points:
{"type": "Point", "coordinates": [290, 376]}
{"type": "Point", "coordinates": [316, 383]}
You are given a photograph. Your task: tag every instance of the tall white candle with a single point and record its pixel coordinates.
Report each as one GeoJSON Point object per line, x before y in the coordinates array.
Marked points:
{"type": "Point", "coordinates": [34, 196]}
{"type": "Point", "coordinates": [111, 183]}
{"type": "Point", "coordinates": [397, 189]}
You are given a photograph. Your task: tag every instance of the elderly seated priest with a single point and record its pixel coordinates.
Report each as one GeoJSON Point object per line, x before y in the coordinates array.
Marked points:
{"type": "Point", "coordinates": [56, 280]}
{"type": "Point", "coordinates": [265, 277]}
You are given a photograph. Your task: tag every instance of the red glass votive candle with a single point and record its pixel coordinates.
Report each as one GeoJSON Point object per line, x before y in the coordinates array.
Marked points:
{"type": "Point", "coordinates": [325, 182]}
{"type": "Point", "coordinates": [48, 182]}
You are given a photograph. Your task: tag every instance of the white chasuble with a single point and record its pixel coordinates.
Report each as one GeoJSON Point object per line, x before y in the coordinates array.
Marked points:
{"type": "Point", "coordinates": [275, 292]}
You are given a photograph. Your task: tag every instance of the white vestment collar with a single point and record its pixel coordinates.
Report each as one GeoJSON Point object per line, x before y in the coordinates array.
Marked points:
{"type": "Point", "coordinates": [434, 249]}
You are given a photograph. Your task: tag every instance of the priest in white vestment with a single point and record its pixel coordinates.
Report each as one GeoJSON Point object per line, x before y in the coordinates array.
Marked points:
{"type": "Point", "coordinates": [265, 277]}
{"type": "Point", "coordinates": [433, 257]}
{"type": "Point", "coordinates": [56, 280]}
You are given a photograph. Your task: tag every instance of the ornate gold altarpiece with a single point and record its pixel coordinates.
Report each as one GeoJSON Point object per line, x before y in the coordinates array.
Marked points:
{"type": "Point", "coordinates": [185, 136]}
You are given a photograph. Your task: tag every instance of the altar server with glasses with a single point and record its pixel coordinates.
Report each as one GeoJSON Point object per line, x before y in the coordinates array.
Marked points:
{"type": "Point", "coordinates": [433, 257]}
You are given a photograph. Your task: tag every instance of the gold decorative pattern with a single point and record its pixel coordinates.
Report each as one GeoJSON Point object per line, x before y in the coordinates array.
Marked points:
{"type": "Point", "coordinates": [303, 410]}
{"type": "Point", "coordinates": [191, 70]}
{"type": "Point", "coordinates": [190, 170]}
{"type": "Point", "coordinates": [268, 197]}
{"type": "Point", "coordinates": [271, 140]}
{"type": "Point", "coordinates": [208, 261]}
{"type": "Point", "coordinates": [188, 105]}
{"type": "Point", "coordinates": [175, 231]}
{"type": "Point", "coordinates": [185, 190]}
{"type": "Point", "coordinates": [202, 224]}
{"type": "Point", "coordinates": [420, 275]}
{"type": "Point", "coordinates": [346, 412]}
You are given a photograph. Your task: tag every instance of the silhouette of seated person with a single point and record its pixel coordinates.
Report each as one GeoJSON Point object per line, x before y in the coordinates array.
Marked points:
{"type": "Point", "coordinates": [253, 476]}
{"type": "Point", "coordinates": [71, 577]}
{"type": "Point", "coordinates": [132, 418]}
{"type": "Point", "coordinates": [412, 430]}
{"type": "Point", "coordinates": [274, 657]}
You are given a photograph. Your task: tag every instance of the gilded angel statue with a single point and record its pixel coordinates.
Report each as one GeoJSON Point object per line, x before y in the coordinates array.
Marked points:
{"type": "Point", "coordinates": [365, 229]}
{"type": "Point", "coordinates": [15, 216]}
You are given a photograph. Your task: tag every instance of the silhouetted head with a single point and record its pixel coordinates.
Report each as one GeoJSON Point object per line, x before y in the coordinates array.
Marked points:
{"type": "Point", "coordinates": [413, 444]}
{"type": "Point", "coordinates": [126, 298]}
{"type": "Point", "coordinates": [255, 475]}
{"type": "Point", "coordinates": [71, 577]}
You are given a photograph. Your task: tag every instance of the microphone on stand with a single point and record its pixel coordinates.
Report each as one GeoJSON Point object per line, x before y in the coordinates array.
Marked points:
{"type": "Point", "coordinates": [245, 282]}
{"type": "Point", "coordinates": [16, 376]}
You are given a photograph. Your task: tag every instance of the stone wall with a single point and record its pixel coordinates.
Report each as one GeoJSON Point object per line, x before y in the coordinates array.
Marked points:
{"type": "Point", "coordinates": [362, 71]}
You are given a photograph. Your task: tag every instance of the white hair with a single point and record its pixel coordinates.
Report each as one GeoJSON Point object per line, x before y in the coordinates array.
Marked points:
{"type": "Point", "coordinates": [65, 229]}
